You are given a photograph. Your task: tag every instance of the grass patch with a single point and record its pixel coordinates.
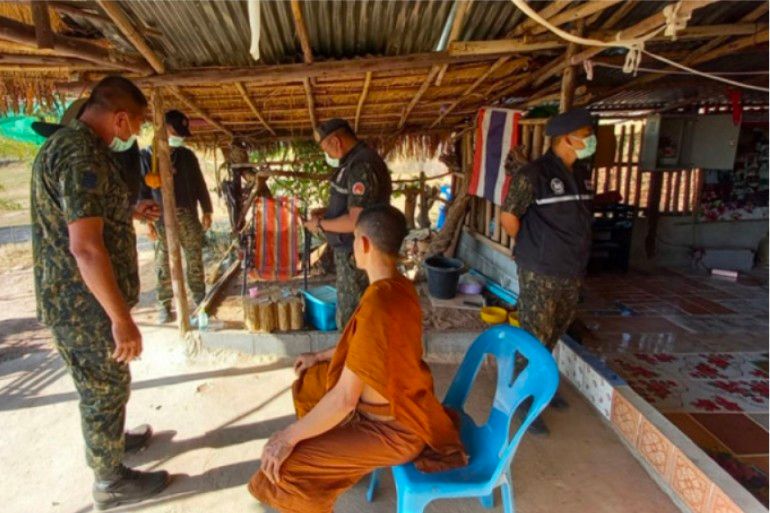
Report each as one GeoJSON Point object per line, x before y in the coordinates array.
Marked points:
{"type": "Point", "coordinates": [17, 150]}
{"type": "Point", "coordinates": [9, 205]}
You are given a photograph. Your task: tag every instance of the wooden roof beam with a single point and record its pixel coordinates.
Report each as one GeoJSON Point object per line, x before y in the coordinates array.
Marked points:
{"type": "Point", "coordinates": [197, 110]}
{"type": "Point", "coordinates": [753, 16]}
{"type": "Point", "coordinates": [639, 29]}
{"type": "Point", "coordinates": [694, 60]}
{"type": "Point", "coordinates": [42, 20]}
{"type": "Point", "coordinates": [474, 86]}
{"type": "Point", "coordinates": [621, 12]}
{"type": "Point", "coordinates": [362, 99]}
{"type": "Point", "coordinates": [245, 95]}
{"type": "Point", "coordinates": [281, 73]}
{"type": "Point", "coordinates": [132, 35]}
{"type": "Point", "coordinates": [71, 10]}
{"type": "Point", "coordinates": [576, 13]}
{"type": "Point", "coordinates": [307, 54]}
{"type": "Point", "coordinates": [434, 70]}
{"type": "Point", "coordinates": [548, 12]}
{"type": "Point", "coordinates": [20, 33]}
{"type": "Point", "coordinates": [463, 7]}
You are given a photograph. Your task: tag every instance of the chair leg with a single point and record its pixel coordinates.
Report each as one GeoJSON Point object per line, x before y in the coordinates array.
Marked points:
{"type": "Point", "coordinates": [488, 501]}
{"type": "Point", "coordinates": [374, 482]}
{"type": "Point", "coordinates": [507, 492]}
{"type": "Point", "coordinates": [408, 503]}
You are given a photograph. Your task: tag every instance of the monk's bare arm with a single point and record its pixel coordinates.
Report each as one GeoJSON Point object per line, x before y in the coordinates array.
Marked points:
{"type": "Point", "coordinates": [332, 409]}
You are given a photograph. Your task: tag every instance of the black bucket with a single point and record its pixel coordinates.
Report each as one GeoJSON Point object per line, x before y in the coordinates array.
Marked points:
{"type": "Point", "coordinates": [443, 275]}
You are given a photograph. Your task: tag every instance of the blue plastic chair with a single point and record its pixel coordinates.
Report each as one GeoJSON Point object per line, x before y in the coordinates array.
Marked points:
{"type": "Point", "coordinates": [489, 448]}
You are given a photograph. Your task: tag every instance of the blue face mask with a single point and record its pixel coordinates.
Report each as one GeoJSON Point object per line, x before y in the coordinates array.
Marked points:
{"type": "Point", "coordinates": [175, 141]}
{"type": "Point", "coordinates": [118, 145]}
{"type": "Point", "coordinates": [589, 147]}
{"type": "Point", "coordinates": [335, 163]}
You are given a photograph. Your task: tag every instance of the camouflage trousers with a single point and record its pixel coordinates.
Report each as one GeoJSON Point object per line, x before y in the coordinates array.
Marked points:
{"type": "Point", "coordinates": [351, 284]}
{"type": "Point", "coordinates": [191, 236]}
{"type": "Point", "coordinates": [103, 386]}
{"type": "Point", "coordinates": [547, 305]}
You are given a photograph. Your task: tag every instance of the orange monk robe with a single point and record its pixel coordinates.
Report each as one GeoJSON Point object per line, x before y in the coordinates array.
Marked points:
{"type": "Point", "coordinates": [382, 345]}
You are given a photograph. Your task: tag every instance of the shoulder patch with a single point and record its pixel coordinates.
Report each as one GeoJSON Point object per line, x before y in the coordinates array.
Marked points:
{"type": "Point", "coordinates": [589, 184]}
{"type": "Point", "coordinates": [89, 180]}
{"type": "Point", "coordinates": [358, 188]}
{"type": "Point", "coordinates": [557, 186]}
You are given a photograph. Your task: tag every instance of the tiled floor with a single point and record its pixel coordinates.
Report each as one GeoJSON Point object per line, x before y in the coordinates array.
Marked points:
{"type": "Point", "coordinates": [695, 347]}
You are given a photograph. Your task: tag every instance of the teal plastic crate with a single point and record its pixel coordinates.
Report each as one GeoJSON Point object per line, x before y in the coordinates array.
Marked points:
{"type": "Point", "coordinates": [321, 307]}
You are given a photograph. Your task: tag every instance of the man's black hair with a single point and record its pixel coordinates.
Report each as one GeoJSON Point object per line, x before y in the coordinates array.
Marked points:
{"type": "Point", "coordinates": [385, 226]}
{"type": "Point", "coordinates": [115, 93]}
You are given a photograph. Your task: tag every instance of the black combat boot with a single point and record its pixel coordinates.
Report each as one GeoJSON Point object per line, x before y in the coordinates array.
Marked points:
{"type": "Point", "coordinates": [138, 438]}
{"type": "Point", "coordinates": [127, 486]}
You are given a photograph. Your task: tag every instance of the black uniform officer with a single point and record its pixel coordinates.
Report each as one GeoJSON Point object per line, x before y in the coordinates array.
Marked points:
{"type": "Point", "coordinates": [361, 180]}
{"type": "Point", "coordinates": [548, 212]}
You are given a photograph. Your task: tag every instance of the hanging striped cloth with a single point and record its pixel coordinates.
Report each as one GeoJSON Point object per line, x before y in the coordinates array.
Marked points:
{"type": "Point", "coordinates": [497, 131]}
{"type": "Point", "coordinates": [276, 225]}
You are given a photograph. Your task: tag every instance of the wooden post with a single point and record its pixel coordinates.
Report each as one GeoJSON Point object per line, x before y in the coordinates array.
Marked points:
{"type": "Point", "coordinates": [169, 213]}
{"type": "Point", "coordinates": [410, 206]}
{"type": "Point", "coordinates": [42, 21]}
{"type": "Point", "coordinates": [653, 212]}
{"type": "Point", "coordinates": [569, 76]}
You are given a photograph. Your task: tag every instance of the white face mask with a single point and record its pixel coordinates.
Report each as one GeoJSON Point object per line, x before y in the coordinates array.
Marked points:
{"type": "Point", "coordinates": [331, 161]}
{"type": "Point", "coordinates": [118, 145]}
{"type": "Point", "coordinates": [175, 141]}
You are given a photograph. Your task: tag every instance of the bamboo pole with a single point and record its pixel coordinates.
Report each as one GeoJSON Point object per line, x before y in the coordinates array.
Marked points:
{"type": "Point", "coordinates": [170, 221]}
{"type": "Point", "coordinates": [307, 54]}
{"type": "Point", "coordinates": [197, 110]}
{"type": "Point", "coordinates": [246, 98]}
{"type": "Point", "coordinates": [362, 99]}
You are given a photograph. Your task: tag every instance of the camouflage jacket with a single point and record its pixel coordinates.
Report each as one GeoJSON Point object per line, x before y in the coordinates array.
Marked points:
{"type": "Point", "coordinates": [74, 176]}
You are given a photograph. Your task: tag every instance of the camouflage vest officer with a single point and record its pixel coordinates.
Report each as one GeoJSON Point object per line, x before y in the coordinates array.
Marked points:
{"type": "Point", "coordinates": [361, 179]}
{"type": "Point", "coordinates": [86, 277]}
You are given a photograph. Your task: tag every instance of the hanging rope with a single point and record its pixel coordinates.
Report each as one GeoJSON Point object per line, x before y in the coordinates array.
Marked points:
{"type": "Point", "coordinates": [675, 22]}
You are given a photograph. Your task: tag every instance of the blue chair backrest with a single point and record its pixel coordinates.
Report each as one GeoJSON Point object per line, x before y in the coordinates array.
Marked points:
{"type": "Point", "coordinates": [538, 380]}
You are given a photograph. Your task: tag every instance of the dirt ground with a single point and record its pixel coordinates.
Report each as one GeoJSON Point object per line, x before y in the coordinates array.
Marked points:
{"type": "Point", "coordinates": [213, 412]}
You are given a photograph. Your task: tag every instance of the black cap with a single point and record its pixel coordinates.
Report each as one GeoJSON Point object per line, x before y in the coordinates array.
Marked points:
{"type": "Point", "coordinates": [568, 122]}
{"type": "Point", "coordinates": [179, 122]}
{"type": "Point", "coordinates": [323, 130]}
{"type": "Point", "coordinates": [45, 129]}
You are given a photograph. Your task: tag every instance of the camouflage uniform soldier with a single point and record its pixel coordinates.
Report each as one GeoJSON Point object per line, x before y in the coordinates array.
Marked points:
{"type": "Point", "coordinates": [86, 276]}
{"type": "Point", "coordinates": [361, 180]}
{"type": "Point", "coordinates": [548, 212]}
{"type": "Point", "coordinates": [189, 191]}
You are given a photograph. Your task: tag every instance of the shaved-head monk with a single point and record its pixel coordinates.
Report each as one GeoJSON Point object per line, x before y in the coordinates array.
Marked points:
{"type": "Point", "coordinates": [368, 402]}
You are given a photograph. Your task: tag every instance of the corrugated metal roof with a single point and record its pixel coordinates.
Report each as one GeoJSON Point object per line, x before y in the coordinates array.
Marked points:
{"type": "Point", "coordinates": [205, 33]}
